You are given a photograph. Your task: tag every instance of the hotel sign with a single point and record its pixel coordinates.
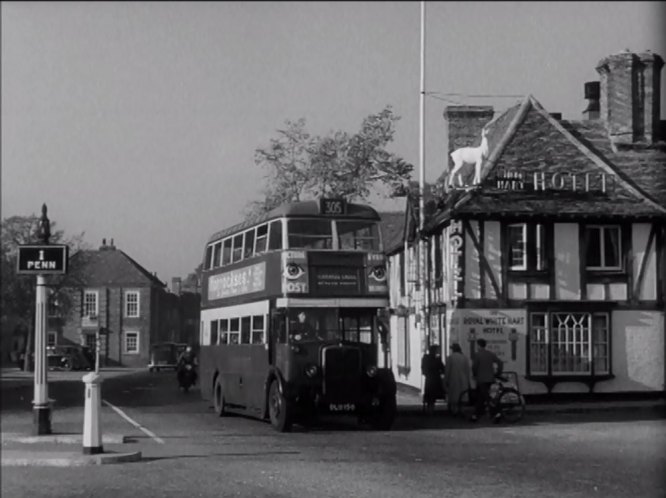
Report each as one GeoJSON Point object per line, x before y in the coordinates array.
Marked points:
{"type": "Point", "coordinates": [42, 259]}
{"type": "Point", "coordinates": [540, 181]}
{"type": "Point", "coordinates": [238, 282]}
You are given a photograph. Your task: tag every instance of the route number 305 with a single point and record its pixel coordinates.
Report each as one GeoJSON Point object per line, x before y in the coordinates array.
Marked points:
{"type": "Point", "coordinates": [332, 207]}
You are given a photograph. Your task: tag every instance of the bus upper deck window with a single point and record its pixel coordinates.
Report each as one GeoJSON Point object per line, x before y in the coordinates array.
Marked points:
{"type": "Point", "coordinates": [310, 234]}
{"type": "Point", "coordinates": [249, 244]}
{"type": "Point", "coordinates": [275, 235]}
{"type": "Point", "coordinates": [226, 251]}
{"type": "Point", "coordinates": [209, 257]}
{"type": "Point", "coordinates": [262, 238]}
{"type": "Point", "coordinates": [358, 235]}
{"type": "Point", "coordinates": [238, 248]}
{"type": "Point", "coordinates": [216, 254]}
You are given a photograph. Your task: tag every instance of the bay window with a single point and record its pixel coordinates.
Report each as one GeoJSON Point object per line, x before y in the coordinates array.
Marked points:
{"type": "Point", "coordinates": [563, 343]}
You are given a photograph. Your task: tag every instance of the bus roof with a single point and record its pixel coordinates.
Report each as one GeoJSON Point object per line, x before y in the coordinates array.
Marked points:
{"type": "Point", "coordinates": [297, 210]}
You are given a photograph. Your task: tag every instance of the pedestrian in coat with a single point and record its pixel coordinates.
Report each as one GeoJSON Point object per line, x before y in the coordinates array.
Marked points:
{"type": "Point", "coordinates": [432, 368]}
{"type": "Point", "coordinates": [456, 375]}
{"type": "Point", "coordinates": [485, 366]}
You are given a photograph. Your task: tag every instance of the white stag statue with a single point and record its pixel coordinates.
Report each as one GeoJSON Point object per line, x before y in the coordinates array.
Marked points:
{"type": "Point", "coordinates": [469, 155]}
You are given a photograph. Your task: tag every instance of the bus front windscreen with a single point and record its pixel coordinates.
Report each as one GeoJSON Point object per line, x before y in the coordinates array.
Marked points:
{"type": "Point", "coordinates": [359, 235]}
{"type": "Point", "coordinates": [331, 324]}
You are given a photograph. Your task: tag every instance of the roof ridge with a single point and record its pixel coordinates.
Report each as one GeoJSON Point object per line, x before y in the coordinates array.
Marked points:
{"type": "Point", "coordinates": [141, 268]}
{"type": "Point", "coordinates": [595, 158]}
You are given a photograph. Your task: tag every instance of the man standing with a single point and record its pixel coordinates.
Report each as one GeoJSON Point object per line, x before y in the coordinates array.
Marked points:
{"type": "Point", "coordinates": [483, 368]}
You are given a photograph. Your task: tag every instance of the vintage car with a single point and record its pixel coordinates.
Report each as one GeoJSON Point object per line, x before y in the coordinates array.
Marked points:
{"type": "Point", "coordinates": [70, 357]}
{"type": "Point", "coordinates": [165, 355]}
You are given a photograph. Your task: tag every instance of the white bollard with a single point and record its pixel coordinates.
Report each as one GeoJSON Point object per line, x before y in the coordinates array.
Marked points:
{"type": "Point", "coordinates": [92, 430]}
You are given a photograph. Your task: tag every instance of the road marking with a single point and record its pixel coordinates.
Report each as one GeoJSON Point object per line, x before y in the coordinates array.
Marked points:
{"type": "Point", "coordinates": [134, 423]}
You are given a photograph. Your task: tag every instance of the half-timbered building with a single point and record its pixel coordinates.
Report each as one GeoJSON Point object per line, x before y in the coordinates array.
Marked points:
{"type": "Point", "coordinates": [557, 256]}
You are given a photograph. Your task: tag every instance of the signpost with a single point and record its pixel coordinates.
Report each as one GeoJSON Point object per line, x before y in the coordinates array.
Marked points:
{"type": "Point", "coordinates": [41, 260]}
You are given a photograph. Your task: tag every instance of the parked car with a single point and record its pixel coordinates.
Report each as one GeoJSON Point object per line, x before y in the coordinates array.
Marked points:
{"type": "Point", "coordinates": [70, 357]}
{"type": "Point", "coordinates": [165, 355]}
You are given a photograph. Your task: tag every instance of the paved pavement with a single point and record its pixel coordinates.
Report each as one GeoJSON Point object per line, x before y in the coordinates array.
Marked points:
{"type": "Point", "coordinates": [64, 447]}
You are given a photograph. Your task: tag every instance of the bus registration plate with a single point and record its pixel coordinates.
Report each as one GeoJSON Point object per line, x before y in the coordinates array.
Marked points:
{"type": "Point", "coordinates": [341, 407]}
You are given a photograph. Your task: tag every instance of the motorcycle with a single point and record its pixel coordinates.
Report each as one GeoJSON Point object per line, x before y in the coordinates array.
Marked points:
{"type": "Point", "coordinates": [187, 376]}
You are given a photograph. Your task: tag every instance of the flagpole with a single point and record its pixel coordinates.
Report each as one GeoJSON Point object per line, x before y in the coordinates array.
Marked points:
{"type": "Point", "coordinates": [422, 255]}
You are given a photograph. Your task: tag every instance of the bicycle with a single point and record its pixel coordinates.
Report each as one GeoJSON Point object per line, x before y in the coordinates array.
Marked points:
{"type": "Point", "coordinates": [505, 399]}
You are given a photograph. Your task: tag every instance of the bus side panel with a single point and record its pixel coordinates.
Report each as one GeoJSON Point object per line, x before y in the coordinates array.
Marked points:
{"type": "Point", "coordinates": [255, 377]}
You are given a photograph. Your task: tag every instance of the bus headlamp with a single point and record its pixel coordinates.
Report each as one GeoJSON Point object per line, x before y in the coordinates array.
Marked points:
{"type": "Point", "coordinates": [371, 371]}
{"type": "Point", "coordinates": [311, 371]}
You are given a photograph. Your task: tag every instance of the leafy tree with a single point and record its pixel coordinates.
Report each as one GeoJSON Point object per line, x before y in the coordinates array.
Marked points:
{"type": "Point", "coordinates": [340, 164]}
{"type": "Point", "coordinates": [17, 292]}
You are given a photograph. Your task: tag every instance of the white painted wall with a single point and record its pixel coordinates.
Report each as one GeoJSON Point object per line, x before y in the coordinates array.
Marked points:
{"type": "Point", "coordinates": [637, 352]}
{"type": "Point", "coordinates": [472, 264]}
{"type": "Point", "coordinates": [567, 261]}
{"type": "Point", "coordinates": [493, 250]}
{"type": "Point", "coordinates": [640, 234]}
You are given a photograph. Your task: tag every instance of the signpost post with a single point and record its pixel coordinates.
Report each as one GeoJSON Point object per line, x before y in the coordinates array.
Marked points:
{"type": "Point", "coordinates": [40, 260]}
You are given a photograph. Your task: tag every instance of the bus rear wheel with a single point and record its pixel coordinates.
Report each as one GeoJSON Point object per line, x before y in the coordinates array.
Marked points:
{"type": "Point", "coordinates": [279, 409]}
{"type": "Point", "coordinates": [218, 399]}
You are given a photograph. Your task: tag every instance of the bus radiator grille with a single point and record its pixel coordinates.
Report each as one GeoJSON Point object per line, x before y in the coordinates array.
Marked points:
{"type": "Point", "coordinates": [342, 369]}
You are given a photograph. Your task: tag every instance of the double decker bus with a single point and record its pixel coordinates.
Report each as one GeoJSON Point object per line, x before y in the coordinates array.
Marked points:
{"type": "Point", "coordinates": [292, 307]}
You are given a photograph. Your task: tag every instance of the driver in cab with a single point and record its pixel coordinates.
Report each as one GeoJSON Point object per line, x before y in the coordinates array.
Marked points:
{"type": "Point", "coordinates": [302, 330]}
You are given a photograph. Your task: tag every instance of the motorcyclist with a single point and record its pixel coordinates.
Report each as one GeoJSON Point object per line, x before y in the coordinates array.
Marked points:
{"type": "Point", "coordinates": [187, 357]}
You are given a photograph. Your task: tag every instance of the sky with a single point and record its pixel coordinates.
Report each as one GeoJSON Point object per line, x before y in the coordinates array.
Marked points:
{"type": "Point", "coordinates": [138, 121]}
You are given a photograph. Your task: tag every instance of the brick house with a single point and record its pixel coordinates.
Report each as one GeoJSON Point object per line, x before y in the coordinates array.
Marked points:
{"type": "Point", "coordinates": [107, 291]}
{"type": "Point", "coordinates": [558, 257]}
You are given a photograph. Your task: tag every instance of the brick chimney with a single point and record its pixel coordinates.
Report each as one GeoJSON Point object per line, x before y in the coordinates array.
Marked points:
{"type": "Point", "coordinates": [630, 86]}
{"type": "Point", "coordinates": [464, 124]}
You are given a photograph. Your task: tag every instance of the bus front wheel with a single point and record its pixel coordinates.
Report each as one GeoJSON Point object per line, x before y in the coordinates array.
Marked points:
{"type": "Point", "coordinates": [279, 409]}
{"type": "Point", "coordinates": [218, 398]}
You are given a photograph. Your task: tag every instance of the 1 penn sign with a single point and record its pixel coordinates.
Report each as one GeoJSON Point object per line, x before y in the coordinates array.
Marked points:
{"type": "Point", "coordinates": [42, 259]}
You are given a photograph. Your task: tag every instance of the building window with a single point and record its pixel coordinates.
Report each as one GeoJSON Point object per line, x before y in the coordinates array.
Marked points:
{"type": "Point", "coordinates": [258, 329]}
{"type": "Point", "coordinates": [131, 343]}
{"type": "Point", "coordinates": [132, 304]}
{"type": "Point", "coordinates": [51, 338]}
{"type": "Point", "coordinates": [89, 340]}
{"type": "Point", "coordinates": [403, 343]}
{"type": "Point", "coordinates": [90, 302]}
{"type": "Point", "coordinates": [569, 343]}
{"type": "Point", "coordinates": [604, 248]}
{"type": "Point", "coordinates": [526, 247]}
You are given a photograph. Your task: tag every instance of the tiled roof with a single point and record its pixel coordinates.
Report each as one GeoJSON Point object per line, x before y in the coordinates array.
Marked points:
{"type": "Point", "coordinates": [525, 138]}
{"type": "Point", "coordinates": [646, 167]}
{"type": "Point", "coordinates": [108, 267]}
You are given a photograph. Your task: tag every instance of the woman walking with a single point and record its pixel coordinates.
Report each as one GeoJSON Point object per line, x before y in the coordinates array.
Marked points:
{"type": "Point", "coordinates": [456, 377]}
